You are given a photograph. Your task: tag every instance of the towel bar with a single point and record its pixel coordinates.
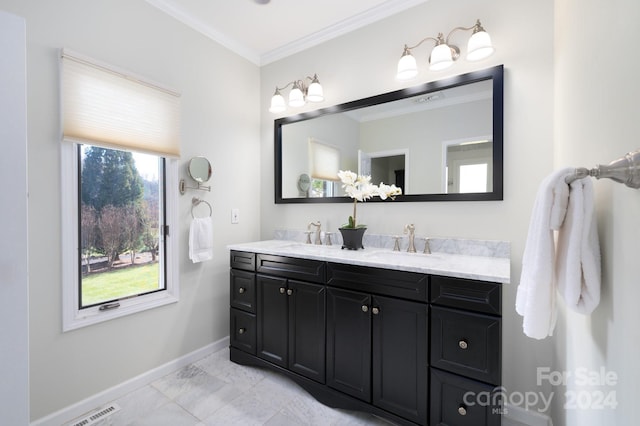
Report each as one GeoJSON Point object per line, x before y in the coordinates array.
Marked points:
{"type": "Point", "coordinates": [196, 201]}
{"type": "Point", "coordinates": [623, 170]}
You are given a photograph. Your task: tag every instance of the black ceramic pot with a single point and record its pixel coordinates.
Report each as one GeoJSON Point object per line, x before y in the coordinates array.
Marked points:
{"type": "Point", "coordinates": [352, 238]}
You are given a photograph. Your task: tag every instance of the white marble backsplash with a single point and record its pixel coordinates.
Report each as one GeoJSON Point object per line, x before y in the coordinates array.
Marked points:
{"type": "Point", "coordinates": [486, 248]}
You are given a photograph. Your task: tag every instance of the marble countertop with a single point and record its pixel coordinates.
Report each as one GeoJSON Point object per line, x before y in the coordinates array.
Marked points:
{"type": "Point", "coordinates": [485, 268]}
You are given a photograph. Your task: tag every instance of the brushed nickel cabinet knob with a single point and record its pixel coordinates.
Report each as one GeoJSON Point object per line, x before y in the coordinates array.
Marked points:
{"type": "Point", "coordinates": [365, 308]}
{"type": "Point", "coordinates": [289, 292]}
{"type": "Point", "coordinates": [463, 344]}
{"type": "Point", "coordinates": [241, 290]}
{"type": "Point", "coordinates": [375, 311]}
{"type": "Point", "coordinates": [462, 410]}
{"type": "Point", "coordinates": [242, 330]}
{"type": "Point", "coordinates": [282, 290]}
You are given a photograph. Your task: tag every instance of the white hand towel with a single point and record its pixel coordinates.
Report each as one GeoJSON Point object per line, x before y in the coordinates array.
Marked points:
{"type": "Point", "coordinates": [536, 296]}
{"type": "Point", "coordinates": [201, 239]}
{"type": "Point", "coordinates": [578, 251]}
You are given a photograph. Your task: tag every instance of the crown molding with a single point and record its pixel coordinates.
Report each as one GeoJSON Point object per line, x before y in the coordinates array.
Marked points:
{"type": "Point", "coordinates": [171, 9]}
{"type": "Point", "coordinates": [345, 26]}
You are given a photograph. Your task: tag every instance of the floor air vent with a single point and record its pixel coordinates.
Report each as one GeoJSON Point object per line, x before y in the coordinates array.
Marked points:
{"type": "Point", "coordinates": [96, 415]}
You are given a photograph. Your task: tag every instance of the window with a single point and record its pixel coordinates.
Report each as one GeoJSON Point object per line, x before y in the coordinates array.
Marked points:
{"type": "Point", "coordinates": [119, 256]}
{"type": "Point", "coordinates": [122, 225]}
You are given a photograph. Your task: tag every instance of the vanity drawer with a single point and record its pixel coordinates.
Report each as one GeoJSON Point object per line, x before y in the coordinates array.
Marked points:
{"type": "Point", "coordinates": [243, 260]}
{"type": "Point", "coordinates": [243, 331]}
{"type": "Point", "coordinates": [480, 296]}
{"type": "Point", "coordinates": [386, 282]}
{"type": "Point", "coordinates": [289, 267]}
{"type": "Point", "coordinates": [466, 343]}
{"type": "Point", "coordinates": [455, 402]}
{"type": "Point", "coordinates": [243, 290]}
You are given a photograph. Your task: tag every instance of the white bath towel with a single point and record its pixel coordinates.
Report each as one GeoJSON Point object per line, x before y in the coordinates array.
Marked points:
{"type": "Point", "coordinates": [536, 296]}
{"type": "Point", "coordinates": [578, 267]}
{"type": "Point", "coordinates": [201, 239]}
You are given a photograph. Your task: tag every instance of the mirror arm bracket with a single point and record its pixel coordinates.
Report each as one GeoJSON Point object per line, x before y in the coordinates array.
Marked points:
{"type": "Point", "coordinates": [183, 187]}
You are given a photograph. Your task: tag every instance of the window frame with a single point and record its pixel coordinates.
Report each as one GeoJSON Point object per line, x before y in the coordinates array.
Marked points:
{"type": "Point", "coordinates": [73, 316]}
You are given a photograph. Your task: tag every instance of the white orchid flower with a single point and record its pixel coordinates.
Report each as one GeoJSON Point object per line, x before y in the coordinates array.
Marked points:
{"type": "Point", "coordinates": [360, 188]}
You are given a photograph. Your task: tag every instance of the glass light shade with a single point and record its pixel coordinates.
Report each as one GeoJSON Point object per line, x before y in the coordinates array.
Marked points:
{"type": "Point", "coordinates": [277, 104]}
{"type": "Point", "coordinates": [479, 46]}
{"type": "Point", "coordinates": [440, 58]}
{"type": "Point", "coordinates": [296, 97]}
{"type": "Point", "coordinates": [407, 67]}
{"type": "Point", "coordinates": [314, 93]}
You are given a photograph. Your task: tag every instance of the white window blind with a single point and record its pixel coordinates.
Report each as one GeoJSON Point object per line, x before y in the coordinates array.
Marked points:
{"type": "Point", "coordinates": [105, 106]}
{"type": "Point", "coordinates": [324, 160]}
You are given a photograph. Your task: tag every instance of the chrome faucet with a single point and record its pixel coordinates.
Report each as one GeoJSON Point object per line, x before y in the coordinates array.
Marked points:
{"type": "Point", "coordinates": [411, 229]}
{"type": "Point", "coordinates": [317, 225]}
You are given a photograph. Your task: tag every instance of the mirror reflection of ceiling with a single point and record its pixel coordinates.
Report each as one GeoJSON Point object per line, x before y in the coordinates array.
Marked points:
{"type": "Point", "coordinates": [424, 102]}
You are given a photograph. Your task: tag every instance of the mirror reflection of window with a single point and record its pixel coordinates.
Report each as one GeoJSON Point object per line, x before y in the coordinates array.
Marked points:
{"type": "Point", "coordinates": [473, 178]}
{"type": "Point", "coordinates": [322, 188]}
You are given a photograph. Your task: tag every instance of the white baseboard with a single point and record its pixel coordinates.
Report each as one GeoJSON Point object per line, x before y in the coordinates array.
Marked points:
{"type": "Point", "coordinates": [519, 416]}
{"type": "Point", "coordinates": [71, 412]}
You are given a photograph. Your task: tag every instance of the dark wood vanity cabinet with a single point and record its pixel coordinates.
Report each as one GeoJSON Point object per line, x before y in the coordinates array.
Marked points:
{"type": "Point", "coordinates": [410, 347]}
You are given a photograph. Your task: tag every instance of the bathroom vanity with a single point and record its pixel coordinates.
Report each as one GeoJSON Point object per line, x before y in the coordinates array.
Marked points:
{"type": "Point", "coordinates": [411, 337]}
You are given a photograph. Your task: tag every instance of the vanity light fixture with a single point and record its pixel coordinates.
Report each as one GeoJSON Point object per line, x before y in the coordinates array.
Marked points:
{"type": "Point", "coordinates": [299, 95]}
{"type": "Point", "coordinates": [444, 54]}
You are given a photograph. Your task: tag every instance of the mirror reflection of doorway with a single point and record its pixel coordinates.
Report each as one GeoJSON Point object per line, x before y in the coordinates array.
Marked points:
{"type": "Point", "coordinates": [389, 167]}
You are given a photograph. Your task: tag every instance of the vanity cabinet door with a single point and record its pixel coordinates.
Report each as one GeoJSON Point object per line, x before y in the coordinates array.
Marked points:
{"type": "Point", "coordinates": [400, 364]}
{"type": "Point", "coordinates": [307, 329]}
{"type": "Point", "coordinates": [272, 319]}
{"type": "Point", "coordinates": [349, 342]}
{"type": "Point", "coordinates": [291, 325]}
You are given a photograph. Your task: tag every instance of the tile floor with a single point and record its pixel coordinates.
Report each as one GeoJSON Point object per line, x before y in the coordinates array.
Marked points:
{"type": "Point", "coordinates": [215, 391]}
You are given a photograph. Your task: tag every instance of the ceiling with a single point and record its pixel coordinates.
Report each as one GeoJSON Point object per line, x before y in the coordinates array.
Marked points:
{"type": "Point", "coordinates": [264, 31]}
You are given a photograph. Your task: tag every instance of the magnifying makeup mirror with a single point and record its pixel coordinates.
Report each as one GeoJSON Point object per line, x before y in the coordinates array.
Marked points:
{"type": "Point", "coordinates": [200, 171]}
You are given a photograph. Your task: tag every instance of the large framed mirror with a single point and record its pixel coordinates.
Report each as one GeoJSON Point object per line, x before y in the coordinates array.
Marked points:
{"type": "Point", "coordinates": [439, 141]}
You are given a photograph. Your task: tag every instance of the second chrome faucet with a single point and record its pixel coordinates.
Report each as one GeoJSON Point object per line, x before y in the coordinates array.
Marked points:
{"type": "Point", "coordinates": [411, 230]}
{"type": "Point", "coordinates": [317, 239]}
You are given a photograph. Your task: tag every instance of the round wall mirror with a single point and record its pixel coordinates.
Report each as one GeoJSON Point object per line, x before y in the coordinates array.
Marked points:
{"type": "Point", "coordinates": [199, 169]}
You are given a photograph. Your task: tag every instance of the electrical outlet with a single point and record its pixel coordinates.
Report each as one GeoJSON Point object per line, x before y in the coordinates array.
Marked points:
{"type": "Point", "coordinates": [235, 215]}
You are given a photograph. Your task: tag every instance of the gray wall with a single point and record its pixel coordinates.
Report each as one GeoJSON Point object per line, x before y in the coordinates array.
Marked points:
{"type": "Point", "coordinates": [14, 307]}
{"type": "Point", "coordinates": [597, 121]}
{"type": "Point", "coordinates": [220, 120]}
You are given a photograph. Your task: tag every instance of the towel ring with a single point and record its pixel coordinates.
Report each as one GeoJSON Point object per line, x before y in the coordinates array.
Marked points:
{"type": "Point", "coordinates": [196, 201]}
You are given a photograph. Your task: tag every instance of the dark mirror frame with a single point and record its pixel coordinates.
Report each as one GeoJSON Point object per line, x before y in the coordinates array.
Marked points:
{"type": "Point", "coordinates": [495, 73]}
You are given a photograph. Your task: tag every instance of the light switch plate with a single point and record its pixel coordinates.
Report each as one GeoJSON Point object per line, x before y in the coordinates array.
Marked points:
{"type": "Point", "coordinates": [235, 215]}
